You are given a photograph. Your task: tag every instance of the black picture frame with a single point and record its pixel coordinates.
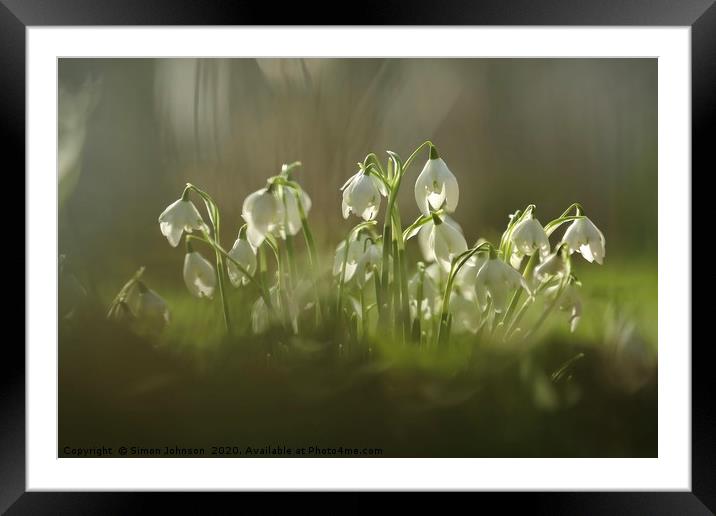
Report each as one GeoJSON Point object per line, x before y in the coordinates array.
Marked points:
{"type": "Point", "coordinates": [17, 15]}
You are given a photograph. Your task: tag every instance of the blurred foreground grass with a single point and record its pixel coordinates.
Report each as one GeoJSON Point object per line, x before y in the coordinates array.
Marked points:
{"type": "Point", "coordinates": [591, 393]}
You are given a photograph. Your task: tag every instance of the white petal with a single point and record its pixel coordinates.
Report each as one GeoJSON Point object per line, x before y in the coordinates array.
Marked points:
{"type": "Point", "coordinates": [380, 186]}
{"type": "Point", "coordinates": [173, 233]}
{"type": "Point", "coordinates": [586, 251]}
{"type": "Point", "coordinates": [423, 242]}
{"type": "Point", "coordinates": [345, 209]}
{"type": "Point", "coordinates": [255, 235]}
{"type": "Point", "coordinates": [243, 253]}
{"type": "Point", "coordinates": [199, 275]}
{"type": "Point", "coordinates": [350, 180]}
{"type": "Point", "coordinates": [370, 212]}
{"type": "Point", "coordinates": [422, 188]}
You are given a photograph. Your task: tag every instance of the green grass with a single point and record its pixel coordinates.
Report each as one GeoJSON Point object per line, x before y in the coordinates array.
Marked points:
{"type": "Point", "coordinates": [560, 394]}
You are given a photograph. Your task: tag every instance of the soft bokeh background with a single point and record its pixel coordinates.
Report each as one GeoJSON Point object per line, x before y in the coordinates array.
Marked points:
{"type": "Point", "coordinates": [513, 131]}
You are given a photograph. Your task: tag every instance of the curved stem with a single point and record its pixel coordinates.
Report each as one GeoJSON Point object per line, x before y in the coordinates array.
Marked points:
{"type": "Point", "coordinates": [457, 264]}
{"type": "Point", "coordinates": [552, 226]}
{"type": "Point", "coordinates": [512, 328]}
{"type": "Point", "coordinates": [529, 267]}
{"type": "Point", "coordinates": [221, 271]}
{"type": "Point", "coordinates": [547, 310]}
{"type": "Point", "coordinates": [415, 153]}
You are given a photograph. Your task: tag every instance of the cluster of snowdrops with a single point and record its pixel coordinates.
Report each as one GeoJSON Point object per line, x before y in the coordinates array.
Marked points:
{"type": "Point", "coordinates": [486, 288]}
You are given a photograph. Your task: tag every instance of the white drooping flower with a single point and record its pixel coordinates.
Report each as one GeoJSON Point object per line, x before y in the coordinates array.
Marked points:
{"type": "Point", "coordinates": [496, 280]}
{"type": "Point", "coordinates": [424, 236]}
{"type": "Point", "coordinates": [180, 216]}
{"type": "Point", "coordinates": [140, 308]}
{"type": "Point", "coordinates": [529, 237]}
{"type": "Point", "coordinates": [569, 301]}
{"type": "Point", "coordinates": [264, 213]}
{"type": "Point", "coordinates": [356, 248]}
{"type": "Point", "coordinates": [436, 186]}
{"type": "Point", "coordinates": [260, 316]}
{"type": "Point", "coordinates": [465, 313]}
{"type": "Point", "coordinates": [445, 242]}
{"type": "Point", "coordinates": [150, 311]}
{"type": "Point", "coordinates": [585, 238]}
{"type": "Point", "coordinates": [554, 266]}
{"type": "Point", "coordinates": [199, 275]}
{"type": "Point", "coordinates": [437, 274]}
{"type": "Point", "coordinates": [467, 275]}
{"type": "Point", "coordinates": [369, 263]}
{"type": "Point", "coordinates": [361, 195]}
{"type": "Point", "coordinates": [292, 221]}
{"type": "Point", "coordinates": [244, 254]}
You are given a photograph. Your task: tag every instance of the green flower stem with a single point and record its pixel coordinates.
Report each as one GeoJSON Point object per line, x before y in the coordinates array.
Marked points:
{"type": "Point", "coordinates": [288, 248]}
{"type": "Point", "coordinates": [553, 225]}
{"type": "Point", "coordinates": [397, 308]}
{"type": "Point", "coordinates": [262, 267]}
{"type": "Point", "coordinates": [281, 283]}
{"type": "Point", "coordinates": [342, 280]}
{"type": "Point", "coordinates": [385, 299]}
{"type": "Point", "coordinates": [372, 158]}
{"type": "Point", "coordinates": [415, 153]}
{"type": "Point", "coordinates": [547, 311]}
{"type": "Point", "coordinates": [527, 271]}
{"type": "Point", "coordinates": [291, 259]}
{"type": "Point", "coordinates": [221, 271]}
{"type": "Point", "coordinates": [442, 321]}
{"type": "Point", "coordinates": [521, 312]}
{"type": "Point", "coordinates": [312, 255]}
{"type": "Point", "coordinates": [402, 276]}
{"type": "Point", "coordinates": [419, 303]}
{"type": "Point", "coordinates": [457, 264]}
{"type": "Point", "coordinates": [364, 316]}
{"type": "Point", "coordinates": [122, 295]}
{"type": "Point", "coordinates": [285, 290]}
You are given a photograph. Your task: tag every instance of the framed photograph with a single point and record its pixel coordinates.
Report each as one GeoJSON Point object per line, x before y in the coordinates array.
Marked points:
{"type": "Point", "coordinates": [366, 257]}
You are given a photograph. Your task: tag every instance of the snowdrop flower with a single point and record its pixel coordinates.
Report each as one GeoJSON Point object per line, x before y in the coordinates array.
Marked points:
{"type": "Point", "coordinates": [199, 275]}
{"type": "Point", "coordinates": [585, 238]}
{"type": "Point", "coordinates": [368, 263]}
{"type": "Point", "coordinates": [465, 314]}
{"type": "Point", "coordinates": [424, 236]}
{"type": "Point", "coordinates": [263, 213]}
{"type": "Point", "coordinates": [496, 280]}
{"type": "Point", "coordinates": [572, 303]}
{"type": "Point", "coordinates": [260, 315]}
{"type": "Point", "coordinates": [355, 252]}
{"type": "Point", "coordinates": [467, 275]}
{"type": "Point", "coordinates": [244, 253]}
{"type": "Point", "coordinates": [430, 288]}
{"type": "Point", "coordinates": [151, 314]}
{"type": "Point", "coordinates": [431, 295]}
{"type": "Point", "coordinates": [445, 242]}
{"type": "Point", "coordinates": [436, 186]}
{"type": "Point", "coordinates": [569, 301]}
{"type": "Point", "coordinates": [528, 237]}
{"type": "Point", "coordinates": [437, 274]}
{"type": "Point", "coordinates": [361, 195]}
{"type": "Point", "coordinates": [180, 216]}
{"type": "Point", "coordinates": [554, 266]}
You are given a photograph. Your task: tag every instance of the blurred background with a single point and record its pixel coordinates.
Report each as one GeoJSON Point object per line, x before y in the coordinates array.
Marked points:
{"type": "Point", "coordinates": [551, 132]}
{"type": "Point", "coordinates": [546, 131]}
